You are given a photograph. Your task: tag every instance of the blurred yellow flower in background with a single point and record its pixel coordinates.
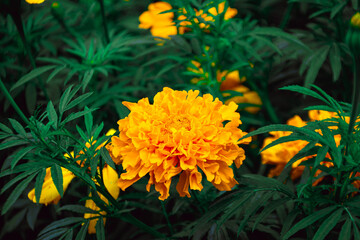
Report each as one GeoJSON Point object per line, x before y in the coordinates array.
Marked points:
{"type": "Point", "coordinates": [35, 1]}
{"type": "Point", "coordinates": [110, 178]}
{"type": "Point", "coordinates": [180, 133]}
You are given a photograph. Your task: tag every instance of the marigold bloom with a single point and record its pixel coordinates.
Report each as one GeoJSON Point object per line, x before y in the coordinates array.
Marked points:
{"type": "Point", "coordinates": [110, 178]}
{"type": "Point", "coordinates": [179, 133]}
{"type": "Point", "coordinates": [35, 1]}
{"type": "Point", "coordinates": [49, 193]}
{"type": "Point", "coordinates": [248, 96]}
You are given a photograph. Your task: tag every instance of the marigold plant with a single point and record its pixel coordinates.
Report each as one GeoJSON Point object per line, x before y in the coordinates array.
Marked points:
{"type": "Point", "coordinates": [180, 133]}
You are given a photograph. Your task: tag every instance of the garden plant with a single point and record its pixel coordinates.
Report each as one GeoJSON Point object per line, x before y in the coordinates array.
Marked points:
{"type": "Point", "coordinates": [180, 119]}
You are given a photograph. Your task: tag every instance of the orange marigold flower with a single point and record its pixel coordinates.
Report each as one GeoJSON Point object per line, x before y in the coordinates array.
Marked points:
{"type": "Point", "coordinates": [180, 133]}
{"type": "Point", "coordinates": [248, 96]}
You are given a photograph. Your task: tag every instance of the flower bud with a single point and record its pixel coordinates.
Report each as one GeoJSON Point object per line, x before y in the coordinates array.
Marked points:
{"type": "Point", "coordinates": [353, 34]}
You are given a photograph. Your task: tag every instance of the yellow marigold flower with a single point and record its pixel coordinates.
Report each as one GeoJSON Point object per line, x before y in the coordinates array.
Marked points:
{"type": "Point", "coordinates": [110, 178]}
{"type": "Point", "coordinates": [230, 12]}
{"type": "Point", "coordinates": [34, 1]}
{"type": "Point", "coordinates": [281, 154]}
{"type": "Point", "coordinates": [248, 96]}
{"type": "Point", "coordinates": [49, 193]}
{"type": "Point", "coordinates": [179, 133]}
{"type": "Point", "coordinates": [161, 25]}
{"type": "Point", "coordinates": [355, 20]}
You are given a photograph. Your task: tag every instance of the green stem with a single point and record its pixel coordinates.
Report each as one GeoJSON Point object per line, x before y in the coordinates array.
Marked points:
{"type": "Point", "coordinates": [167, 217]}
{"type": "Point", "coordinates": [107, 37]}
{"type": "Point", "coordinates": [286, 17]}
{"type": "Point", "coordinates": [19, 26]}
{"type": "Point", "coordinates": [355, 95]}
{"type": "Point", "coordinates": [13, 103]}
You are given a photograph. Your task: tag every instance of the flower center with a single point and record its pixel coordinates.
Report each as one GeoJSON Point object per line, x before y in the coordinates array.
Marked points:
{"type": "Point", "coordinates": [178, 122]}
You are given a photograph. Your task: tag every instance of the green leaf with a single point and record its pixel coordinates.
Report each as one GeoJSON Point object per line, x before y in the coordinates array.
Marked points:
{"type": "Point", "coordinates": [52, 115]}
{"type": "Point", "coordinates": [317, 60]}
{"type": "Point", "coordinates": [17, 126]}
{"type": "Point", "coordinates": [290, 218]}
{"type": "Point", "coordinates": [83, 230]}
{"type": "Point", "coordinates": [16, 194]}
{"type": "Point", "coordinates": [55, 72]}
{"type": "Point", "coordinates": [88, 121]}
{"type": "Point", "coordinates": [76, 115]}
{"type": "Point", "coordinates": [271, 206]}
{"type": "Point", "coordinates": [100, 230]}
{"type": "Point", "coordinates": [19, 155]}
{"type": "Point", "coordinates": [32, 215]}
{"type": "Point", "coordinates": [86, 79]}
{"type": "Point", "coordinates": [328, 224]}
{"type": "Point", "coordinates": [121, 109]}
{"type": "Point", "coordinates": [335, 10]}
{"type": "Point", "coordinates": [355, 4]}
{"type": "Point", "coordinates": [345, 233]}
{"type": "Point", "coordinates": [335, 61]}
{"type": "Point", "coordinates": [276, 32]}
{"type": "Point", "coordinates": [305, 91]}
{"type": "Point", "coordinates": [105, 155]}
{"type": "Point", "coordinates": [5, 128]}
{"type": "Point", "coordinates": [16, 179]}
{"type": "Point", "coordinates": [39, 184]}
{"type": "Point", "coordinates": [60, 223]}
{"type": "Point", "coordinates": [31, 75]}
{"type": "Point", "coordinates": [78, 100]}
{"type": "Point", "coordinates": [321, 155]}
{"type": "Point", "coordinates": [64, 100]}
{"type": "Point", "coordinates": [30, 97]}
{"type": "Point", "coordinates": [53, 234]}
{"type": "Point", "coordinates": [57, 177]}
{"type": "Point", "coordinates": [77, 209]}
{"type": "Point", "coordinates": [307, 221]}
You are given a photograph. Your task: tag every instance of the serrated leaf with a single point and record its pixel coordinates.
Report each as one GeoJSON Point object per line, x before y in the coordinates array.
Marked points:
{"type": "Point", "coordinates": [83, 230]}
{"type": "Point", "coordinates": [31, 75]}
{"type": "Point", "coordinates": [307, 221]}
{"type": "Point", "coordinates": [335, 61]}
{"type": "Point", "coordinates": [19, 155]}
{"type": "Point", "coordinates": [17, 126]}
{"type": "Point", "coordinates": [52, 115]}
{"type": "Point", "coordinates": [57, 177]}
{"type": "Point", "coordinates": [328, 224]}
{"type": "Point", "coordinates": [100, 230]}
{"type": "Point", "coordinates": [16, 194]}
{"type": "Point", "coordinates": [39, 184]}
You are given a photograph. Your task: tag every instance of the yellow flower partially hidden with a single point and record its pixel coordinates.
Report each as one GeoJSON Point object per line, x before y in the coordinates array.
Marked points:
{"type": "Point", "coordinates": [179, 134]}
{"type": "Point", "coordinates": [248, 96]}
{"type": "Point", "coordinates": [281, 154]}
{"type": "Point", "coordinates": [355, 20]}
{"type": "Point", "coordinates": [35, 1]}
{"type": "Point", "coordinates": [110, 178]}
{"type": "Point", "coordinates": [49, 193]}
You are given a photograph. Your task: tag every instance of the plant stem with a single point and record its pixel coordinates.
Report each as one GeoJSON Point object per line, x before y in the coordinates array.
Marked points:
{"type": "Point", "coordinates": [167, 217]}
{"type": "Point", "coordinates": [355, 95]}
{"type": "Point", "coordinates": [286, 17]}
{"type": "Point", "coordinates": [19, 26]}
{"type": "Point", "coordinates": [13, 103]}
{"type": "Point", "coordinates": [107, 37]}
